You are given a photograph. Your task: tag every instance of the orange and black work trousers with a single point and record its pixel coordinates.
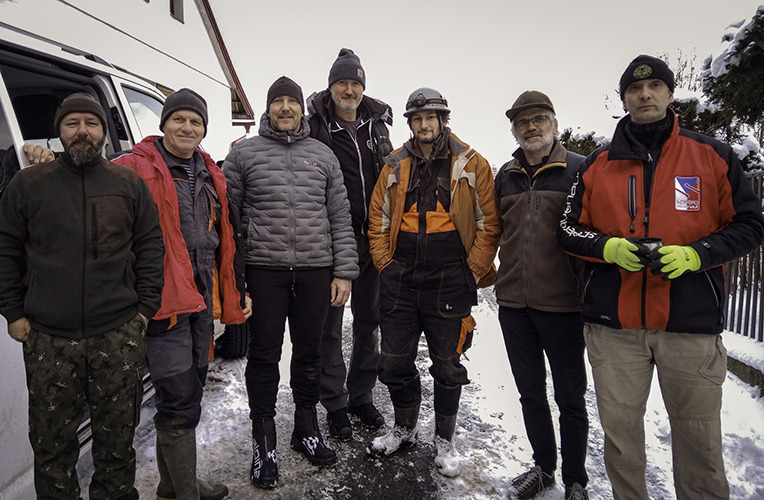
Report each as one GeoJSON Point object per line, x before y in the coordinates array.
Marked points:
{"type": "Point", "coordinates": [437, 308]}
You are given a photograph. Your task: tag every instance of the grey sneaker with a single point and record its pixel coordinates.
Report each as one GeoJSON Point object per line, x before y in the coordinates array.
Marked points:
{"type": "Point", "coordinates": [529, 484]}
{"type": "Point", "coordinates": [576, 492]}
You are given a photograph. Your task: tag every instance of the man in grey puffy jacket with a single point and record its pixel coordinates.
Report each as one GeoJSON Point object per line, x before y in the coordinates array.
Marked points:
{"type": "Point", "coordinates": [287, 189]}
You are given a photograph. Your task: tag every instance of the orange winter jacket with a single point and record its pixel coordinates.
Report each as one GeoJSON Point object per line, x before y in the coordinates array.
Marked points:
{"type": "Point", "coordinates": [472, 211]}
{"type": "Point", "coordinates": [180, 294]}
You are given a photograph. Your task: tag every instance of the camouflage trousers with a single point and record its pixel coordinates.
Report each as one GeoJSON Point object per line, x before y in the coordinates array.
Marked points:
{"type": "Point", "coordinates": [106, 371]}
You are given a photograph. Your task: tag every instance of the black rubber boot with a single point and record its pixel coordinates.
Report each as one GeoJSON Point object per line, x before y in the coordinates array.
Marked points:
{"type": "Point", "coordinates": [306, 438]}
{"type": "Point", "coordinates": [265, 466]}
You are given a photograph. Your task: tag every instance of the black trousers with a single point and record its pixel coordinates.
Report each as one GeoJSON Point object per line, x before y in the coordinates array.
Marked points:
{"type": "Point", "coordinates": [528, 335]}
{"type": "Point", "coordinates": [361, 373]}
{"type": "Point", "coordinates": [302, 298]}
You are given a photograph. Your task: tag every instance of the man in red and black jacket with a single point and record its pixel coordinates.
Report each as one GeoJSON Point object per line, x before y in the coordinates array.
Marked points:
{"type": "Point", "coordinates": [190, 192]}
{"type": "Point", "coordinates": [662, 308]}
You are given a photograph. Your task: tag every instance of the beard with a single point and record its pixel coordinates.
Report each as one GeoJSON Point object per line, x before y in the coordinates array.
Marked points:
{"type": "Point", "coordinates": [347, 108]}
{"type": "Point", "coordinates": [536, 146]}
{"type": "Point", "coordinates": [427, 140]}
{"type": "Point", "coordinates": [84, 150]}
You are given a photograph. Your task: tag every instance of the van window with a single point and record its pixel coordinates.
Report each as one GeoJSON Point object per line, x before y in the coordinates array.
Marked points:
{"type": "Point", "coordinates": [147, 111]}
{"type": "Point", "coordinates": [35, 97]}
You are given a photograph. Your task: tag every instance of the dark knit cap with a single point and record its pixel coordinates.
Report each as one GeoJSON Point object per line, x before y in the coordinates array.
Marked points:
{"type": "Point", "coordinates": [645, 67]}
{"type": "Point", "coordinates": [79, 102]}
{"type": "Point", "coordinates": [285, 86]}
{"type": "Point", "coordinates": [184, 99]}
{"type": "Point", "coordinates": [347, 66]}
{"type": "Point", "coordinates": [527, 100]}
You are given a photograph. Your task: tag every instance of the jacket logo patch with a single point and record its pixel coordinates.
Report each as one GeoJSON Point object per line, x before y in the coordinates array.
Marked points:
{"type": "Point", "coordinates": [687, 194]}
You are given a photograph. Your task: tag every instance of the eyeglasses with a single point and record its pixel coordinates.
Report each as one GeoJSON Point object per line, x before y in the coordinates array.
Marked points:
{"type": "Point", "coordinates": [537, 120]}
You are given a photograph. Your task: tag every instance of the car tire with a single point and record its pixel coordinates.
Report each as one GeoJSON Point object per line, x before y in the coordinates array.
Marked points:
{"type": "Point", "coordinates": [234, 342]}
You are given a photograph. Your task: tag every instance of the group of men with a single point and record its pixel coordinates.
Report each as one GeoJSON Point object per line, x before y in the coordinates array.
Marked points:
{"type": "Point", "coordinates": [101, 265]}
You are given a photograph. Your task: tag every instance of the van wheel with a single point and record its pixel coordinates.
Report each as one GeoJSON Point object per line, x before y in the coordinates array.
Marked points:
{"type": "Point", "coordinates": [234, 342]}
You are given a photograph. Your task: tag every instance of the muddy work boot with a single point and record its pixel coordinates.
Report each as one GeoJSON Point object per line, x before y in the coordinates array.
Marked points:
{"type": "Point", "coordinates": [403, 434]}
{"type": "Point", "coordinates": [448, 462]}
{"type": "Point", "coordinates": [265, 467]}
{"type": "Point", "coordinates": [306, 438]}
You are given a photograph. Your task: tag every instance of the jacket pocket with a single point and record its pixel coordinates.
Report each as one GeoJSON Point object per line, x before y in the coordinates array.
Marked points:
{"type": "Point", "coordinates": [714, 367]}
{"type": "Point", "coordinates": [455, 291]}
{"type": "Point", "coordinates": [390, 278]}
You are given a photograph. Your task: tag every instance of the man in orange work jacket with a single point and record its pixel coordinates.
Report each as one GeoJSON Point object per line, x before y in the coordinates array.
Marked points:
{"type": "Point", "coordinates": [190, 192]}
{"type": "Point", "coordinates": [433, 234]}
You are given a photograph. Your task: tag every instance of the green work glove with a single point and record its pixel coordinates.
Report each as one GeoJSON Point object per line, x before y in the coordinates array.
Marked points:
{"type": "Point", "coordinates": [621, 252]}
{"type": "Point", "coordinates": [672, 261]}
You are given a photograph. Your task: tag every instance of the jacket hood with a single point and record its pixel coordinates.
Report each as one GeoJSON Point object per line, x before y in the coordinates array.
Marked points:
{"type": "Point", "coordinates": [267, 130]}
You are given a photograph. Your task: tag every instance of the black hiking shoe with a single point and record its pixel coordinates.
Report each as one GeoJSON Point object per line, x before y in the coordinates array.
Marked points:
{"type": "Point", "coordinates": [339, 424]}
{"type": "Point", "coordinates": [369, 415]}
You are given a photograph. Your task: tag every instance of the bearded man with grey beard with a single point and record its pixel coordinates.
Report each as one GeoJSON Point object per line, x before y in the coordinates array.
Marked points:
{"type": "Point", "coordinates": [538, 289]}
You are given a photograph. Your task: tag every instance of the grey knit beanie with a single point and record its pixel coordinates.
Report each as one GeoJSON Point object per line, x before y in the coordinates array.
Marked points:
{"type": "Point", "coordinates": [79, 102]}
{"type": "Point", "coordinates": [347, 66]}
{"type": "Point", "coordinates": [184, 99]}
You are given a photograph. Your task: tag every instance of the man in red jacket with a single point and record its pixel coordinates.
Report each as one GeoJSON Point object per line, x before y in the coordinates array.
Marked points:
{"type": "Point", "coordinates": [657, 180]}
{"type": "Point", "coordinates": [190, 192]}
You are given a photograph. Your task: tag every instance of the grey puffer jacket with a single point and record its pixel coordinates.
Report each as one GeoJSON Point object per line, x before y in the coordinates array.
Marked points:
{"type": "Point", "coordinates": [287, 190]}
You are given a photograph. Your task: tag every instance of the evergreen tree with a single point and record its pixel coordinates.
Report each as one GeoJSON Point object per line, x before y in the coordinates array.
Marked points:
{"type": "Point", "coordinates": [580, 144]}
{"type": "Point", "coordinates": [735, 80]}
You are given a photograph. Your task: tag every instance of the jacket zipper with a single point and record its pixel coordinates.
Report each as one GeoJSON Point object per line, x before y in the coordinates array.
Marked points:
{"type": "Point", "coordinates": [650, 165]}
{"type": "Point", "coordinates": [85, 246]}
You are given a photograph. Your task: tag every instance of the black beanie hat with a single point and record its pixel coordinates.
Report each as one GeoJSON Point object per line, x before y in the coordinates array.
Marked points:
{"type": "Point", "coordinates": [347, 66]}
{"type": "Point", "coordinates": [184, 99]}
{"type": "Point", "coordinates": [79, 102]}
{"type": "Point", "coordinates": [284, 86]}
{"type": "Point", "coordinates": [644, 67]}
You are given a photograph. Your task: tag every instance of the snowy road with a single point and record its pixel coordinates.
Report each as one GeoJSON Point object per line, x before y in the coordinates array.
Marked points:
{"type": "Point", "coordinates": [489, 434]}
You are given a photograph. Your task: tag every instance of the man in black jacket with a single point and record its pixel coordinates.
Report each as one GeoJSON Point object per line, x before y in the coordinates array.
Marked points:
{"type": "Point", "coordinates": [538, 289]}
{"type": "Point", "coordinates": [354, 126]}
{"type": "Point", "coordinates": [80, 272]}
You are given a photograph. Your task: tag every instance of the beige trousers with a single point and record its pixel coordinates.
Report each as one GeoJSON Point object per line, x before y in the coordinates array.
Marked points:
{"type": "Point", "coordinates": [691, 369]}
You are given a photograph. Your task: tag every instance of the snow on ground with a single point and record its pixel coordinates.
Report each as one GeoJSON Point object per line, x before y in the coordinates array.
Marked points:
{"type": "Point", "coordinates": [490, 435]}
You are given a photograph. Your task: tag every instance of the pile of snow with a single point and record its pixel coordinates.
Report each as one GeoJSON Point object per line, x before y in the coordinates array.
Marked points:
{"type": "Point", "coordinates": [730, 47]}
